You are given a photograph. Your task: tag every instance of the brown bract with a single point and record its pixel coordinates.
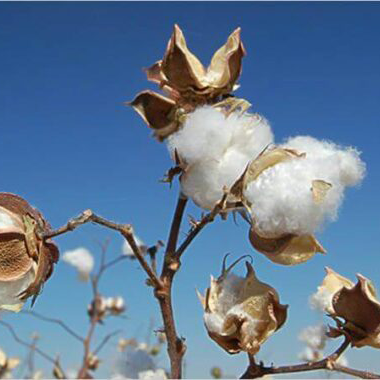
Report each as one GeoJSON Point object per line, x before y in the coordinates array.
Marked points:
{"type": "Point", "coordinates": [187, 82]}
{"type": "Point", "coordinates": [21, 246]}
{"type": "Point", "coordinates": [355, 308]}
{"type": "Point", "coordinates": [241, 313]}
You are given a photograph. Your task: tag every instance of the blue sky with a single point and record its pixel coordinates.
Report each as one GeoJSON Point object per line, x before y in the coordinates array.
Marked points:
{"type": "Point", "coordinates": [67, 143]}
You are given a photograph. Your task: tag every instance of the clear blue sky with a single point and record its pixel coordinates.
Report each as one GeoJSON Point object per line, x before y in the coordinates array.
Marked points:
{"type": "Point", "coordinates": [68, 143]}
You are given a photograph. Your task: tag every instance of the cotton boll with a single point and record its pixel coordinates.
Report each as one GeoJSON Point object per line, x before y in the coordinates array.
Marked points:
{"type": "Point", "coordinates": [82, 260]}
{"type": "Point", "coordinates": [281, 197]}
{"type": "Point", "coordinates": [216, 149]}
{"type": "Point", "coordinates": [282, 201]}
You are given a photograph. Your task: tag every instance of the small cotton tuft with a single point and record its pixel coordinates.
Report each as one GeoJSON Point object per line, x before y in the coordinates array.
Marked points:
{"type": "Point", "coordinates": [82, 260]}
{"type": "Point", "coordinates": [216, 150]}
{"type": "Point", "coordinates": [281, 197]}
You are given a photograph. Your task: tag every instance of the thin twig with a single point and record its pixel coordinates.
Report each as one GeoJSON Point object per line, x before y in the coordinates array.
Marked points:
{"type": "Point", "coordinates": [255, 370]}
{"type": "Point", "coordinates": [208, 218]}
{"type": "Point", "coordinates": [105, 341]}
{"type": "Point", "coordinates": [124, 229]}
{"type": "Point", "coordinates": [56, 321]}
{"type": "Point", "coordinates": [31, 346]}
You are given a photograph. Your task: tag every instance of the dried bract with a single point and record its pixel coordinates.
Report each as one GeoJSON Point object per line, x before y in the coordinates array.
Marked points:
{"type": "Point", "coordinates": [241, 313]}
{"type": "Point", "coordinates": [187, 82]}
{"type": "Point", "coordinates": [26, 259]}
{"type": "Point", "coordinates": [354, 307]}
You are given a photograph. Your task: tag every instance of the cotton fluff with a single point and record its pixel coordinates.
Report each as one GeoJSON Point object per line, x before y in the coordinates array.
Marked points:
{"type": "Point", "coordinates": [216, 149]}
{"type": "Point", "coordinates": [281, 196]}
{"type": "Point", "coordinates": [127, 250]}
{"type": "Point", "coordinates": [10, 289]}
{"type": "Point", "coordinates": [314, 337]}
{"type": "Point", "coordinates": [227, 300]}
{"type": "Point", "coordinates": [133, 362]}
{"type": "Point", "coordinates": [82, 260]}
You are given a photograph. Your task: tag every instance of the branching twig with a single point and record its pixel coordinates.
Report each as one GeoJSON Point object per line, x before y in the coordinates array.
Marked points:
{"type": "Point", "coordinates": [56, 321]}
{"type": "Point", "coordinates": [255, 370]}
{"type": "Point", "coordinates": [105, 341]}
{"type": "Point", "coordinates": [32, 346]}
{"type": "Point", "coordinates": [125, 229]}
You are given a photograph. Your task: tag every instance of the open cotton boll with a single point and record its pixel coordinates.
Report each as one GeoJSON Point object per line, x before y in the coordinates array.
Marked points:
{"type": "Point", "coordinates": [82, 260]}
{"type": "Point", "coordinates": [281, 197]}
{"type": "Point", "coordinates": [216, 149]}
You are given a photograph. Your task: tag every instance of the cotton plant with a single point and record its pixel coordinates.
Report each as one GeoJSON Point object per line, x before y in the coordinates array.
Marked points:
{"type": "Point", "coordinates": [227, 160]}
{"type": "Point", "coordinates": [82, 260]}
{"type": "Point", "coordinates": [290, 190]}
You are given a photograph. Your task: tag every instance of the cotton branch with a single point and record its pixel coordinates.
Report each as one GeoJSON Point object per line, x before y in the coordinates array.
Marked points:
{"type": "Point", "coordinates": [255, 370]}
{"type": "Point", "coordinates": [32, 346]}
{"type": "Point", "coordinates": [56, 321]}
{"type": "Point", "coordinates": [162, 285]}
{"type": "Point", "coordinates": [124, 229]}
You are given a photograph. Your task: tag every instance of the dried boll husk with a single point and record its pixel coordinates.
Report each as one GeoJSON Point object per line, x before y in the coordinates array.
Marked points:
{"type": "Point", "coordinates": [26, 261]}
{"type": "Point", "coordinates": [287, 248]}
{"type": "Point", "coordinates": [182, 71]}
{"type": "Point", "coordinates": [241, 313]}
{"type": "Point", "coordinates": [354, 307]}
{"type": "Point", "coordinates": [187, 83]}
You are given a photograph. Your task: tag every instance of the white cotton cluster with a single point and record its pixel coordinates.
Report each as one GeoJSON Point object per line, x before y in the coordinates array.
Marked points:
{"type": "Point", "coordinates": [314, 336]}
{"type": "Point", "coordinates": [281, 197]}
{"type": "Point", "coordinates": [321, 300]}
{"type": "Point", "coordinates": [82, 260]}
{"type": "Point", "coordinates": [132, 362]}
{"type": "Point", "coordinates": [216, 149]}
{"type": "Point", "coordinates": [315, 339]}
{"type": "Point", "coordinates": [127, 250]}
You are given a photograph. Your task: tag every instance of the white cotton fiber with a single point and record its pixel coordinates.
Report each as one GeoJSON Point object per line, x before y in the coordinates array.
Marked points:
{"type": "Point", "coordinates": [281, 196]}
{"type": "Point", "coordinates": [216, 150]}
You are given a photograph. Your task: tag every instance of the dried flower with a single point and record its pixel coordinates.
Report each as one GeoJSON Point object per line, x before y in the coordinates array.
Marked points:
{"type": "Point", "coordinates": [354, 307]}
{"type": "Point", "coordinates": [82, 260]}
{"type": "Point", "coordinates": [241, 313]}
{"type": "Point", "coordinates": [26, 259]}
{"type": "Point", "coordinates": [187, 82]}
{"type": "Point", "coordinates": [183, 75]}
